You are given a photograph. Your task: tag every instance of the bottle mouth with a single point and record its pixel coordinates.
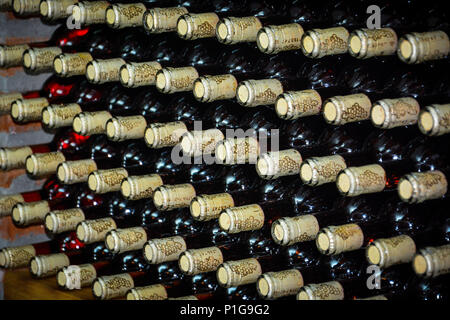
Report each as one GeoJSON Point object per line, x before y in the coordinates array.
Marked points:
{"type": "Point", "coordinates": [44, 8]}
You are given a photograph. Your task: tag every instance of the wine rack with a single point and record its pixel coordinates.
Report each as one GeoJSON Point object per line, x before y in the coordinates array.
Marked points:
{"type": "Point", "coordinates": [230, 151]}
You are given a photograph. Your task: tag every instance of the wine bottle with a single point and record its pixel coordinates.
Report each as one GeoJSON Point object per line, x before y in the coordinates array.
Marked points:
{"type": "Point", "coordinates": [43, 164]}
{"type": "Point", "coordinates": [392, 281]}
{"type": "Point", "coordinates": [430, 289]}
{"type": "Point", "coordinates": [90, 231]}
{"type": "Point", "coordinates": [196, 261]}
{"type": "Point", "coordinates": [75, 277]}
{"type": "Point", "coordinates": [14, 157]}
{"type": "Point", "coordinates": [135, 127]}
{"type": "Point", "coordinates": [129, 14]}
{"type": "Point", "coordinates": [32, 213]}
{"type": "Point", "coordinates": [192, 26]}
{"type": "Point", "coordinates": [38, 57]}
{"type": "Point", "coordinates": [287, 231]}
{"type": "Point", "coordinates": [19, 257]}
{"type": "Point", "coordinates": [158, 291]}
{"type": "Point", "coordinates": [123, 240]}
{"type": "Point", "coordinates": [419, 47]}
{"type": "Point", "coordinates": [433, 120]}
{"type": "Point", "coordinates": [89, 12]}
{"type": "Point", "coordinates": [106, 155]}
{"type": "Point", "coordinates": [52, 87]}
{"type": "Point", "coordinates": [417, 187]}
{"type": "Point", "coordinates": [90, 206]}
{"type": "Point", "coordinates": [115, 286]}
{"type": "Point", "coordinates": [46, 265]}
{"type": "Point", "coordinates": [27, 110]}
{"type": "Point", "coordinates": [51, 189]}
{"type": "Point", "coordinates": [431, 262]}
{"type": "Point", "coordinates": [240, 188]}
{"type": "Point", "coordinates": [399, 218]}
{"type": "Point", "coordinates": [56, 11]}
{"type": "Point", "coordinates": [173, 196]}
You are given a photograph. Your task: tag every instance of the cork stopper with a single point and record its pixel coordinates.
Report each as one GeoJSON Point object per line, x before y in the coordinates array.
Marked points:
{"type": "Point", "coordinates": [418, 47]}
{"type": "Point", "coordinates": [152, 292]}
{"type": "Point", "coordinates": [7, 203]}
{"type": "Point", "coordinates": [287, 231]}
{"type": "Point", "coordinates": [115, 286]}
{"type": "Point", "coordinates": [70, 172]}
{"type": "Point", "coordinates": [339, 110]}
{"type": "Point", "coordinates": [332, 290]}
{"type": "Point", "coordinates": [431, 262]}
{"type": "Point", "coordinates": [159, 20]}
{"type": "Point", "coordinates": [391, 251]}
{"type": "Point", "coordinates": [252, 93]}
{"type": "Point", "coordinates": [275, 164]}
{"type": "Point", "coordinates": [243, 218]}
{"type": "Point", "coordinates": [213, 88]}
{"type": "Point", "coordinates": [26, 7]}
{"type": "Point", "coordinates": [391, 113]}
{"type": "Point", "coordinates": [28, 110]}
{"type": "Point", "coordinates": [207, 207]}
{"type": "Point", "coordinates": [193, 26]}
{"type": "Point", "coordinates": [196, 261]}
{"type": "Point", "coordinates": [120, 15]}
{"type": "Point", "coordinates": [7, 99]}
{"type": "Point", "coordinates": [126, 128]}
{"type": "Point", "coordinates": [75, 277]}
{"type": "Point", "coordinates": [333, 240]}
{"type": "Point", "coordinates": [90, 123]}
{"type": "Point", "coordinates": [171, 80]}
{"type": "Point", "coordinates": [104, 70]}
{"type": "Point", "coordinates": [418, 187]}
{"type": "Point", "coordinates": [169, 197]}
{"type": "Point", "coordinates": [138, 74]}
{"type": "Point", "coordinates": [16, 257]}
{"type": "Point", "coordinates": [161, 135]}
{"type": "Point", "coordinates": [318, 43]}
{"type": "Point", "coordinates": [124, 240]}
{"type": "Point", "coordinates": [14, 158]}
{"type": "Point", "coordinates": [368, 43]}
{"type": "Point", "coordinates": [232, 30]}
{"type": "Point", "coordinates": [274, 285]}
{"type": "Point", "coordinates": [296, 104]}
{"type": "Point", "coordinates": [40, 60]}
{"type": "Point", "coordinates": [90, 12]}
{"type": "Point", "coordinates": [237, 150]}
{"type": "Point", "coordinates": [43, 164]}
{"type": "Point", "coordinates": [59, 221]}
{"type": "Point", "coordinates": [104, 181]}
{"type": "Point", "coordinates": [274, 39]}
{"type": "Point", "coordinates": [140, 187]}
{"type": "Point", "coordinates": [434, 120]}
{"type": "Point", "coordinates": [199, 142]}
{"type": "Point", "coordinates": [90, 231]}
{"type": "Point", "coordinates": [162, 250]}
{"type": "Point", "coordinates": [11, 56]}
{"type": "Point", "coordinates": [59, 116]}
{"type": "Point", "coordinates": [353, 181]}
{"type": "Point", "coordinates": [44, 266]}
{"type": "Point", "coordinates": [316, 171]}
{"type": "Point", "coordinates": [71, 64]}
{"type": "Point", "coordinates": [29, 213]}
{"type": "Point", "coordinates": [238, 272]}
{"type": "Point", "coordinates": [52, 10]}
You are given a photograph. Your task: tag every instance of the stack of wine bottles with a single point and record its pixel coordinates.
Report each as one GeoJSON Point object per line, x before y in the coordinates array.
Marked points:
{"type": "Point", "coordinates": [236, 150]}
